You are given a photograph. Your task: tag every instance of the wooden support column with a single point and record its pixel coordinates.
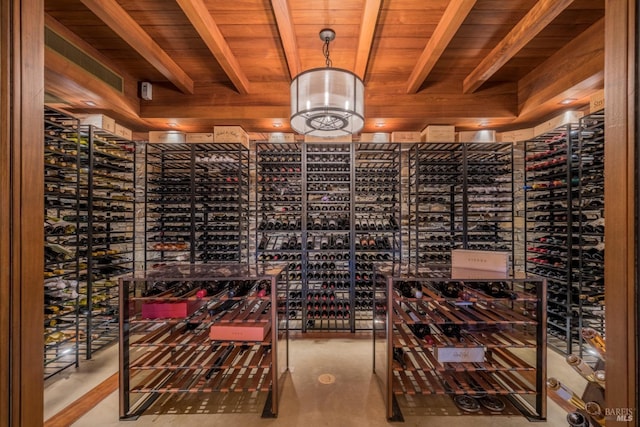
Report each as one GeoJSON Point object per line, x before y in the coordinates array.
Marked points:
{"type": "Point", "coordinates": [21, 212]}
{"type": "Point", "coordinates": [620, 208]}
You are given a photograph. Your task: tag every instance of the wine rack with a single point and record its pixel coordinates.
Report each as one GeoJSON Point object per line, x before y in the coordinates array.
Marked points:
{"type": "Point", "coordinates": [552, 232]}
{"type": "Point", "coordinates": [332, 212]}
{"type": "Point", "coordinates": [201, 328]}
{"type": "Point", "coordinates": [591, 227]}
{"type": "Point", "coordinates": [279, 217]}
{"type": "Point", "coordinates": [328, 261]}
{"type": "Point", "coordinates": [481, 342]}
{"type": "Point", "coordinates": [377, 220]}
{"type": "Point", "coordinates": [461, 197]}
{"type": "Point", "coordinates": [62, 255]}
{"type": "Point", "coordinates": [106, 225]}
{"type": "Point", "coordinates": [196, 203]}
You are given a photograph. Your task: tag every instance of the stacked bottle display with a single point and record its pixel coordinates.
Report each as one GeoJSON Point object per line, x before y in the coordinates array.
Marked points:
{"type": "Point", "coordinates": [106, 226]}
{"type": "Point", "coordinates": [332, 212]}
{"type": "Point", "coordinates": [588, 408]}
{"type": "Point", "coordinates": [61, 251]}
{"type": "Point", "coordinates": [461, 197]}
{"type": "Point", "coordinates": [328, 259]}
{"type": "Point", "coordinates": [279, 217]}
{"type": "Point", "coordinates": [377, 220]}
{"type": "Point", "coordinates": [552, 184]}
{"type": "Point", "coordinates": [591, 228]}
{"type": "Point", "coordinates": [480, 342]}
{"type": "Point", "coordinates": [199, 330]}
{"type": "Point", "coordinates": [197, 203]}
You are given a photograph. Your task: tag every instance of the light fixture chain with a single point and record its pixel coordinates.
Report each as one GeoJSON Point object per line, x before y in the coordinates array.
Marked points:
{"type": "Point", "coordinates": [325, 51]}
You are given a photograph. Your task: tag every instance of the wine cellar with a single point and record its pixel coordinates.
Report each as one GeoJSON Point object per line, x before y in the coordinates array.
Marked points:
{"type": "Point", "coordinates": [331, 221]}
{"type": "Point", "coordinates": [345, 213]}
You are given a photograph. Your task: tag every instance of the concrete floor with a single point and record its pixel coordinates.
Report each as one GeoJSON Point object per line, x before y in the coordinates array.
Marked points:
{"type": "Point", "coordinates": [353, 399]}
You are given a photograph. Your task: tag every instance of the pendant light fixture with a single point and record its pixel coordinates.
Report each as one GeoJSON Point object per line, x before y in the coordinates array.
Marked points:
{"type": "Point", "coordinates": [327, 102]}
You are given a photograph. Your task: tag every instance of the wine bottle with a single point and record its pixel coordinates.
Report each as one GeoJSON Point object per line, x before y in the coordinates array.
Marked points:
{"type": "Point", "coordinates": [576, 419]}
{"type": "Point", "coordinates": [324, 242]}
{"type": "Point", "coordinates": [596, 341]}
{"type": "Point", "coordinates": [564, 396]}
{"type": "Point", "coordinates": [317, 224]}
{"type": "Point", "coordinates": [398, 356]}
{"type": "Point", "coordinates": [595, 411]}
{"type": "Point", "coordinates": [585, 370]}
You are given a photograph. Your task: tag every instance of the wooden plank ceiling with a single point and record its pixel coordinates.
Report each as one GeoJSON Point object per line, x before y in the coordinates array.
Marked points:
{"type": "Point", "coordinates": [469, 63]}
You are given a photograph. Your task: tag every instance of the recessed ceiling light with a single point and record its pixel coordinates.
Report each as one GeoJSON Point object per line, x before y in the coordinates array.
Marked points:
{"type": "Point", "coordinates": [483, 124]}
{"type": "Point", "coordinates": [277, 124]}
{"type": "Point", "coordinates": [172, 124]}
{"type": "Point", "coordinates": [379, 124]}
{"type": "Point", "coordinates": [567, 101]}
{"type": "Point", "coordinates": [90, 103]}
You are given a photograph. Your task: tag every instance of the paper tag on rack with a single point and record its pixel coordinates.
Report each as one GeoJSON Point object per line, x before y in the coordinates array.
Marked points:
{"type": "Point", "coordinates": [460, 354]}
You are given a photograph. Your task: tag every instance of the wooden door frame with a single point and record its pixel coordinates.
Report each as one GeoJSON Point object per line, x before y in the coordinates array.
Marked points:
{"type": "Point", "coordinates": [21, 212]}
{"type": "Point", "coordinates": [620, 208]}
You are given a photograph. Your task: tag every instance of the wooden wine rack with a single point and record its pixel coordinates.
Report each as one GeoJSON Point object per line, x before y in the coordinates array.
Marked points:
{"type": "Point", "coordinates": [506, 331]}
{"type": "Point", "coordinates": [177, 355]}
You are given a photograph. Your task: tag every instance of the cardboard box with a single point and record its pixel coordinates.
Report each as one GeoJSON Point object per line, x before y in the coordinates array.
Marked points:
{"type": "Point", "coordinates": [199, 137]}
{"type": "Point", "coordinates": [563, 119]}
{"type": "Point", "coordinates": [281, 137]}
{"type": "Point", "coordinates": [230, 134]}
{"type": "Point", "coordinates": [460, 355]}
{"type": "Point", "coordinates": [596, 102]}
{"type": "Point", "coordinates": [170, 310]}
{"type": "Point", "coordinates": [239, 331]}
{"type": "Point", "coordinates": [438, 133]}
{"type": "Point", "coordinates": [99, 120]}
{"type": "Point", "coordinates": [124, 132]}
{"type": "Point", "coordinates": [480, 260]}
{"type": "Point", "coordinates": [172, 136]}
{"type": "Point", "coordinates": [375, 137]}
{"type": "Point", "coordinates": [405, 137]}
{"type": "Point", "coordinates": [344, 138]}
{"type": "Point", "coordinates": [484, 135]}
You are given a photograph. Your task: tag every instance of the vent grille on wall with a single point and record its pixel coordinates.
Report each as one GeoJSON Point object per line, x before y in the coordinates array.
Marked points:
{"type": "Point", "coordinates": [67, 49]}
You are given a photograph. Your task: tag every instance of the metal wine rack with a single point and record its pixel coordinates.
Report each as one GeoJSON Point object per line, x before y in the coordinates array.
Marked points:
{"type": "Point", "coordinates": [460, 197]}
{"type": "Point", "coordinates": [462, 345]}
{"type": "Point", "coordinates": [332, 211]}
{"type": "Point", "coordinates": [62, 251]}
{"type": "Point", "coordinates": [197, 199]}
{"type": "Point", "coordinates": [193, 332]}
{"type": "Point", "coordinates": [565, 228]}
{"type": "Point", "coordinates": [107, 232]}
{"type": "Point", "coordinates": [591, 226]}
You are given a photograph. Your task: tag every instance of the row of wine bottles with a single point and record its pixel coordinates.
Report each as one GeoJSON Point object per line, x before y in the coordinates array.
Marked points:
{"type": "Point", "coordinates": [228, 289]}
{"type": "Point", "coordinates": [457, 290]}
{"type": "Point", "coordinates": [581, 413]}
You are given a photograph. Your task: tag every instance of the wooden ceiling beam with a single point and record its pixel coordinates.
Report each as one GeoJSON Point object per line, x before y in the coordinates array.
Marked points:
{"type": "Point", "coordinates": [540, 15]}
{"type": "Point", "coordinates": [201, 19]}
{"type": "Point", "coordinates": [574, 71]}
{"type": "Point", "coordinates": [367, 31]}
{"type": "Point", "coordinates": [73, 84]}
{"type": "Point", "coordinates": [112, 14]}
{"type": "Point", "coordinates": [282, 13]}
{"type": "Point", "coordinates": [452, 19]}
{"type": "Point", "coordinates": [272, 100]}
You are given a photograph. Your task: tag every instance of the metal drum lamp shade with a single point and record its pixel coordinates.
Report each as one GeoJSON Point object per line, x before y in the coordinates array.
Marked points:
{"type": "Point", "coordinates": [327, 102]}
